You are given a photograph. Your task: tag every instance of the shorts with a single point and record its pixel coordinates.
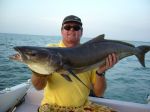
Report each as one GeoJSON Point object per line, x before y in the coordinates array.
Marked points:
{"type": "Point", "coordinates": [90, 107]}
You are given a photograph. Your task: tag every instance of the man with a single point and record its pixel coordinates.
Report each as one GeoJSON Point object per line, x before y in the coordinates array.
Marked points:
{"type": "Point", "coordinates": [60, 92]}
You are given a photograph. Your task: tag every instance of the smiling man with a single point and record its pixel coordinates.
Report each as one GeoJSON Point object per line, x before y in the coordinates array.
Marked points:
{"type": "Point", "coordinates": [62, 94]}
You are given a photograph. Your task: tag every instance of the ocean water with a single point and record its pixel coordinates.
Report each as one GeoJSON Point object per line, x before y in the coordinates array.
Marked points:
{"type": "Point", "coordinates": [127, 80]}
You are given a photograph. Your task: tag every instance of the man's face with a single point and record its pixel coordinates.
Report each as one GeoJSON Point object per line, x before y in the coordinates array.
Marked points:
{"type": "Point", "coordinates": [71, 33]}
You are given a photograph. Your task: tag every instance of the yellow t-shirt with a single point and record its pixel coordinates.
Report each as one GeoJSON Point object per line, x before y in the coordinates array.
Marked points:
{"type": "Point", "coordinates": [64, 93]}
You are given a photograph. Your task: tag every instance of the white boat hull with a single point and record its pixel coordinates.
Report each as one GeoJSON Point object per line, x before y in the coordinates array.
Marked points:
{"type": "Point", "coordinates": [11, 96]}
{"type": "Point", "coordinates": [122, 106]}
{"type": "Point", "coordinates": [33, 99]}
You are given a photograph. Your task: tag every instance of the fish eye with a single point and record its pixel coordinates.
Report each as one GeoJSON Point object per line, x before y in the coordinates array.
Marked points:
{"type": "Point", "coordinates": [31, 53]}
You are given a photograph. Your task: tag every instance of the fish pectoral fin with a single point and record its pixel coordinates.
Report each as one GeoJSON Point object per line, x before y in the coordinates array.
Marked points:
{"type": "Point", "coordinates": [66, 77]}
{"type": "Point", "coordinates": [66, 67]}
{"type": "Point", "coordinates": [73, 74]}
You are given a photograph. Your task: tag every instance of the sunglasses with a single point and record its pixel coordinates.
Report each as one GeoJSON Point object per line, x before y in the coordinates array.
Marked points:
{"type": "Point", "coordinates": [74, 27]}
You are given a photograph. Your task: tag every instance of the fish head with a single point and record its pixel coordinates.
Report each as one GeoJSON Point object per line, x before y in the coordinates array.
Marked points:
{"type": "Point", "coordinates": [30, 54]}
{"type": "Point", "coordinates": [38, 59]}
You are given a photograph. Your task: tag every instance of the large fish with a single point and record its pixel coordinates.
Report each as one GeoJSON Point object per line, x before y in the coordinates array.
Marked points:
{"type": "Point", "coordinates": [46, 60]}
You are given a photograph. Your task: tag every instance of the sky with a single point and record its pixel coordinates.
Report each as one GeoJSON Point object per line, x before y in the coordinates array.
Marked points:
{"type": "Point", "coordinates": [117, 19]}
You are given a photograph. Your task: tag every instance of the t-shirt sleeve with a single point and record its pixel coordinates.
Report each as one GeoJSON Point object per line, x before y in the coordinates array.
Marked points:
{"type": "Point", "coordinates": [93, 76]}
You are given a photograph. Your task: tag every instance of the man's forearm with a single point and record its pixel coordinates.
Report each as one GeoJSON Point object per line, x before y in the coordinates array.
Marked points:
{"type": "Point", "coordinates": [99, 86]}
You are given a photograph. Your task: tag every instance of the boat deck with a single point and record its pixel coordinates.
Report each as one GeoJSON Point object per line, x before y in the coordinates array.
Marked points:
{"type": "Point", "coordinates": [32, 101]}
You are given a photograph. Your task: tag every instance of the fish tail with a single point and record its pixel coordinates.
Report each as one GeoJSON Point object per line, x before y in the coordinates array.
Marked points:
{"type": "Point", "coordinates": [142, 50]}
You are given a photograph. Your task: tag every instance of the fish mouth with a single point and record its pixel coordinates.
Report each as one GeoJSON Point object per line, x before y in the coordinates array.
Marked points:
{"type": "Point", "coordinates": [18, 56]}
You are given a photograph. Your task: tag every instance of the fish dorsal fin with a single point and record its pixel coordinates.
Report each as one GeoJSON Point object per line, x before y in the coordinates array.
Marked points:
{"type": "Point", "coordinates": [100, 39]}
{"type": "Point", "coordinates": [96, 39]}
{"type": "Point", "coordinates": [121, 42]}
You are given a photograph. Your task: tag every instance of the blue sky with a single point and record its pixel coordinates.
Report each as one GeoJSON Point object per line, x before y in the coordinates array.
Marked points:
{"type": "Point", "coordinates": [117, 19]}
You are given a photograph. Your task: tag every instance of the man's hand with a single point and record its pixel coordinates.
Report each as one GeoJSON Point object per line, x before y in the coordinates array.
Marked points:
{"type": "Point", "coordinates": [111, 60]}
{"type": "Point", "coordinates": [39, 81]}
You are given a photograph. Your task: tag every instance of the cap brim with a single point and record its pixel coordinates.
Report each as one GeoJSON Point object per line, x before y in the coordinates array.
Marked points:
{"type": "Point", "coordinates": [72, 21]}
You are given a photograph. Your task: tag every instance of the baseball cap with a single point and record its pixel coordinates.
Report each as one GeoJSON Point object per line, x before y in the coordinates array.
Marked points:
{"type": "Point", "coordinates": [72, 18]}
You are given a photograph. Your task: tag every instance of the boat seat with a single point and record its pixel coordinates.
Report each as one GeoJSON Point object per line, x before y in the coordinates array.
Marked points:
{"type": "Point", "coordinates": [32, 101]}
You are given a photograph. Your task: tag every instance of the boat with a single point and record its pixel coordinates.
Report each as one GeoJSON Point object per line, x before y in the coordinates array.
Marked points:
{"type": "Point", "coordinates": [24, 98]}
{"type": "Point", "coordinates": [10, 97]}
